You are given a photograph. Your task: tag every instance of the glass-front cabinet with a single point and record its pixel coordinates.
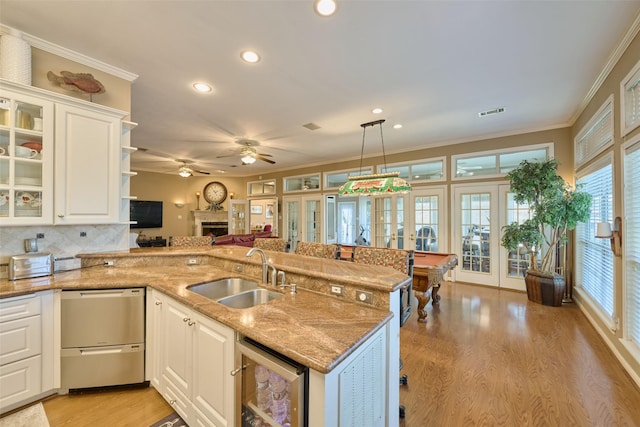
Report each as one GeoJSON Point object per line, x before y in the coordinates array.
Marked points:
{"type": "Point", "coordinates": [26, 159]}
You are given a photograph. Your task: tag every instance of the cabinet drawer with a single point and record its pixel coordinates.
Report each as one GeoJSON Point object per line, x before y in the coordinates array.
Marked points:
{"type": "Point", "coordinates": [20, 381]}
{"type": "Point", "coordinates": [177, 399]}
{"type": "Point", "coordinates": [19, 307]}
{"type": "Point", "coordinates": [20, 339]}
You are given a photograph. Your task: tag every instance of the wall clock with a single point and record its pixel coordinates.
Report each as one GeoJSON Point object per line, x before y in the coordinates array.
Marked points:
{"type": "Point", "coordinates": [215, 192]}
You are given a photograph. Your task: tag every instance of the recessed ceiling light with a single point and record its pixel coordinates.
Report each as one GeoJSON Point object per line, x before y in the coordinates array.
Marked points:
{"type": "Point", "coordinates": [397, 126]}
{"type": "Point", "coordinates": [250, 56]}
{"type": "Point", "coordinates": [325, 7]}
{"type": "Point", "coordinates": [376, 110]}
{"type": "Point", "coordinates": [202, 87]}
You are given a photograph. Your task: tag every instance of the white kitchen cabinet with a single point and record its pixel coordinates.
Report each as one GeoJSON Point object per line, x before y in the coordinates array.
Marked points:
{"type": "Point", "coordinates": [27, 360]}
{"type": "Point", "coordinates": [87, 164]}
{"type": "Point", "coordinates": [125, 171]}
{"type": "Point", "coordinates": [196, 355]}
{"type": "Point", "coordinates": [154, 338]}
{"type": "Point", "coordinates": [26, 156]}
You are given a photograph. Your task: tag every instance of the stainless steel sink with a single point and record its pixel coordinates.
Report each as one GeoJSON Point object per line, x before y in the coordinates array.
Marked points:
{"type": "Point", "coordinates": [250, 298]}
{"type": "Point", "coordinates": [223, 287]}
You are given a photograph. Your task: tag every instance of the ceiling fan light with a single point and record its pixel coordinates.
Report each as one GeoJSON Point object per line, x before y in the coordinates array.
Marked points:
{"type": "Point", "coordinates": [185, 172]}
{"type": "Point", "coordinates": [247, 159]}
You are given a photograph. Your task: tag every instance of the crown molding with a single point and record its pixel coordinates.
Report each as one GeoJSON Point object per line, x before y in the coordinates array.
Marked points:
{"type": "Point", "coordinates": [613, 59]}
{"type": "Point", "coordinates": [70, 54]}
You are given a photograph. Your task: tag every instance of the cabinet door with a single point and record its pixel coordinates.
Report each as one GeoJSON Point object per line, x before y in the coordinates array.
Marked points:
{"type": "Point", "coordinates": [26, 158]}
{"type": "Point", "coordinates": [87, 172]}
{"type": "Point", "coordinates": [155, 338]}
{"type": "Point", "coordinates": [177, 348]}
{"type": "Point", "coordinates": [213, 385]}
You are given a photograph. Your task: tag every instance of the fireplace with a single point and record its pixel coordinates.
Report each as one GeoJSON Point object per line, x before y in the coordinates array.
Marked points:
{"type": "Point", "coordinates": [215, 228]}
{"type": "Point", "coordinates": [215, 222]}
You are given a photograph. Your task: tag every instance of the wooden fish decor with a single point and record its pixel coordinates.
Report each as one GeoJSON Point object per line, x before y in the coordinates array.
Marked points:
{"type": "Point", "coordinates": [77, 82]}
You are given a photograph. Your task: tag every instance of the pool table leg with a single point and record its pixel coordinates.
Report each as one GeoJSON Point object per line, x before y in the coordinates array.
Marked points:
{"type": "Point", "coordinates": [423, 299]}
{"type": "Point", "coordinates": [435, 296]}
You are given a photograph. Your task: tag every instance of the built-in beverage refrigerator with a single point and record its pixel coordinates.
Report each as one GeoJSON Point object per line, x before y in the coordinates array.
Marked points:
{"type": "Point", "coordinates": [272, 390]}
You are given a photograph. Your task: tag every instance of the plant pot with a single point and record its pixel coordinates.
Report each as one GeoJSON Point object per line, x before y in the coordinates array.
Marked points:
{"type": "Point", "coordinates": [545, 289]}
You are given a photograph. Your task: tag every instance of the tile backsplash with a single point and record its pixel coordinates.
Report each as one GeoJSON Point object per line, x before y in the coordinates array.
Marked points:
{"type": "Point", "coordinates": [63, 242]}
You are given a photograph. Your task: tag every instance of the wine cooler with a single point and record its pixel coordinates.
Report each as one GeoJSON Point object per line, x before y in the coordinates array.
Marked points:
{"type": "Point", "coordinates": [272, 389]}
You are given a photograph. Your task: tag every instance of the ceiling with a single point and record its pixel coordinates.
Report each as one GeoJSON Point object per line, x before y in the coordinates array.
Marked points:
{"type": "Point", "coordinates": [432, 66]}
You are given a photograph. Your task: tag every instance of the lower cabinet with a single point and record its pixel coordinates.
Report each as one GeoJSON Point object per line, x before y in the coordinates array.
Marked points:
{"type": "Point", "coordinates": [189, 361]}
{"type": "Point", "coordinates": [27, 367]}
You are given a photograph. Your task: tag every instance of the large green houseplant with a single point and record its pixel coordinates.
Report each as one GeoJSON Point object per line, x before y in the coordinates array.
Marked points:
{"type": "Point", "coordinates": [555, 208]}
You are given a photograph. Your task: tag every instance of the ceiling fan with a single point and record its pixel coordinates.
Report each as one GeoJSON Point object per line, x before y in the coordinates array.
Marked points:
{"type": "Point", "coordinates": [185, 170]}
{"type": "Point", "coordinates": [248, 154]}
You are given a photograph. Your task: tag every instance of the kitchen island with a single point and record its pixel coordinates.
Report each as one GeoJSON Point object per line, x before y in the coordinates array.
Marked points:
{"type": "Point", "coordinates": [311, 327]}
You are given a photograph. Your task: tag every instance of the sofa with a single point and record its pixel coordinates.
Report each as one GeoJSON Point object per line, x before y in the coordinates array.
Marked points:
{"type": "Point", "coordinates": [240, 239]}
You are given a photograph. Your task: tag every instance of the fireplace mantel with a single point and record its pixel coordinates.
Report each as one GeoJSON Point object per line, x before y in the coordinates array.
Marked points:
{"type": "Point", "coordinates": [201, 216]}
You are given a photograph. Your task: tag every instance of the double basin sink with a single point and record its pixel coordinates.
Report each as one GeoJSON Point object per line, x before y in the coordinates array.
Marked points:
{"type": "Point", "coordinates": [235, 292]}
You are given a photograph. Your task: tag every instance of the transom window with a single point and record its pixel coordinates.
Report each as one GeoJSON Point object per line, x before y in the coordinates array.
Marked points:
{"type": "Point", "coordinates": [259, 188]}
{"type": "Point", "coordinates": [337, 178]}
{"type": "Point", "coordinates": [302, 183]}
{"type": "Point", "coordinates": [497, 163]}
{"type": "Point", "coordinates": [423, 170]}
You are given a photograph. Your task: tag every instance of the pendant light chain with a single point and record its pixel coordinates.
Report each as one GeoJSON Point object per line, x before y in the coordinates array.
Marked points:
{"type": "Point", "coordinates": [384, 156]}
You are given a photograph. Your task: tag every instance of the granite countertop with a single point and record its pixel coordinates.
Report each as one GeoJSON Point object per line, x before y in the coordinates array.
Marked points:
{"type": "Point", "coordinates": [316, 330]}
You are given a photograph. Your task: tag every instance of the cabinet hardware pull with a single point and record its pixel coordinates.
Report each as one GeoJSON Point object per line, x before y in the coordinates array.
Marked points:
{"type": "Point", "coordinates": [158, 302]}
{"type": "Point", "coordinates": [60, 216]}
{"type": "Point", "coordinates": [172, 401]}
{"type": "Point", "coordinates": [186, 319]}
{"type": "Point", "coordinates": [235, 371]}
{"type": "Point", "coordinates": [191, 323]}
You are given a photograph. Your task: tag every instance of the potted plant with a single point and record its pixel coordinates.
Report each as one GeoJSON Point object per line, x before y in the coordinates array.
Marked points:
{"type": "Point", "coordinates": [555, 208]}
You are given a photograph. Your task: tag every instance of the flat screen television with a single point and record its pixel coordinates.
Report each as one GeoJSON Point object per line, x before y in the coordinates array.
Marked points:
{"type": "Point", "coordinates": [146, 214]}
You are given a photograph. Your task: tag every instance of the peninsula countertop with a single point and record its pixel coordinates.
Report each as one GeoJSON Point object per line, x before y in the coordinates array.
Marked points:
{"type": "Point", "coordinates": [309, 327]}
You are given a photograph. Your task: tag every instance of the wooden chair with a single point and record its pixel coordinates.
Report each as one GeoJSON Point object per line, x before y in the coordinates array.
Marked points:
{"type": "Point", "coordinates": [191, 241]}
{"type": "Point", "coordinates": [271, 244]}
{"type": "Point", "coordinates": [398, 259]}
{"type": "Point", "coordinates": [318, 250]}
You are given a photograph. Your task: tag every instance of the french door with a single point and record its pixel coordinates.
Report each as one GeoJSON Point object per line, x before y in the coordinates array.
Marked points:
{"type": "Point", "coordinates": [479, 213]}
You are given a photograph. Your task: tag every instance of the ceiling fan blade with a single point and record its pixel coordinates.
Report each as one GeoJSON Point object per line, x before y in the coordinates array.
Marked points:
{"type": "Point", "coordinates": [265, 155]}
{"type": "Point", "coordinates": [203, 172]}
{"type": "Point", "coordinates": [226, 155]}
{"type": "Point", "coordinates": [264, 159]}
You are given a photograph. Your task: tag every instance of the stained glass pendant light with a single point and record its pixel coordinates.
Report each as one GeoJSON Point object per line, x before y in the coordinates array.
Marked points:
{"type": "Point", "coordinates": [380, 183]}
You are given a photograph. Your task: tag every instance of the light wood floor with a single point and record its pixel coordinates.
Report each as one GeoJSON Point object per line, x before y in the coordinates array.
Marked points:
{"type": "Point", "coordinates": [484, 358]}
{"type": "Point", "coordinates": [490, 358]}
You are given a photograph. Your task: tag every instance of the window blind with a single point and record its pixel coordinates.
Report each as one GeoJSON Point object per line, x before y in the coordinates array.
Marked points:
{"type": "Point", "coordinates": [630, 95]}
{"type": "Point", "coordinates": [631, 241]}
{"type": "Point", "coordinates": [594, 267]}
{"type": "Point", "coordinates": [595, 137]}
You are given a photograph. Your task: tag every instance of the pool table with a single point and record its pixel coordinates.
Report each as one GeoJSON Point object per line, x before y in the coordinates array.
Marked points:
{"type": "Point", "coordinates": [428, 270]}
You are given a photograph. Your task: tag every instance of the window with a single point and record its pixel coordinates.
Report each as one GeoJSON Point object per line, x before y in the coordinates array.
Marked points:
{"type": "Point", "coordinates": [631, 241]}
{"type": "Point", "coordinates": [302, 183]}
{"type": "Point", "coordinates": [596, 135]}
{"type": "Point", "coordinates": [594, 266]}
{"type": "Point", "coordinates": [497, 163]}
{"type": "Point", "coordinates": [630, 100]}
{"type": "Point", "coordinates": [337, 178]}
{"type": "Point", "coordinates": [259, 188]}
{"type": "Point", "coordinates": [421, 171]}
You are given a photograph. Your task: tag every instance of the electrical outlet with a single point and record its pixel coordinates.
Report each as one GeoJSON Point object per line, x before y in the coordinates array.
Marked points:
{"type": "Point", "coordinates": [83, 234]}
{"type": "Point", "coordinates": [110, 263]}
{"type": "Point", "coordinates": [364, 296]}
{"type": "Point", "coordinates": [337, 290]}
{"type": "Point", "coordinates": [40, 236]}
{"type": "Point", "coordinates": [192, 261]}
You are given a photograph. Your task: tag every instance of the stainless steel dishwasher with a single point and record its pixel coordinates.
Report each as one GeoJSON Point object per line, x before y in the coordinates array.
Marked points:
{"type": "Point", "coordinates": [102, 338]}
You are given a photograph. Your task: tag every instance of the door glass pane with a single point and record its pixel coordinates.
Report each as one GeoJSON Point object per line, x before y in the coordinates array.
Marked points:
{"type": "Point", "coordinates": [28, 203]}
{"type": "Point", "coordinates": [291, 208]}
{"type": "Point", "coordinates": [346, 222]}
{"type": "Point", "coordinates": [330, 211]}
{"type": "Point", "coordinates": [312, 218]}
{"type": "Point", "coordinates": [426, 224]}
{"type": "Point", "coordinates": [476, 232]}
{"type": "Point", "coordinates": [518, 260]}
{"type": "Point", "coordinates": [5, 201]}
{"type": "Point", "coordinates": [383, 217]}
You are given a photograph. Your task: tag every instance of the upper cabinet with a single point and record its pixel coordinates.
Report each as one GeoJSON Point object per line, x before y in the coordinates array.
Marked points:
{"type": "Point", "coordinates": [61, 159]}
{"type": "Point", "coordinates": [26, 158]}
{"type": "Point", "coordinates": [87, 165]}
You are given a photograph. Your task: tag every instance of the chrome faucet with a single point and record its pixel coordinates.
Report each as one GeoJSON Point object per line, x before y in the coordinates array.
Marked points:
{"type": "Point", "coordinates": [283, 282]}
{"type": "Point", "coordinates": [265, 263]}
